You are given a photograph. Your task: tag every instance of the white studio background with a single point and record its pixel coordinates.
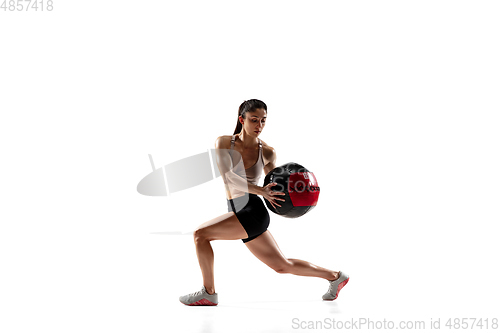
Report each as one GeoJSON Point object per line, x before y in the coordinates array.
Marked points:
{"type": "Point", "coordinates": [392, 104]}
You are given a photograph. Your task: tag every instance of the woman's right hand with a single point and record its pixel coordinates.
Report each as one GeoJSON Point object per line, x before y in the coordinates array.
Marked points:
{"type": "Point", "coordinates": [271, 195]}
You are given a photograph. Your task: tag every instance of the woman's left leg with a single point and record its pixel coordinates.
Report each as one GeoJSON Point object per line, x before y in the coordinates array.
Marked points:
{"type": "Point", "coordinates": [266, 249]}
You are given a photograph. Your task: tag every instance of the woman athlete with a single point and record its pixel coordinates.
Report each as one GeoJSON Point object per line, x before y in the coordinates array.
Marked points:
{"type": "Point", "coordinates": [247, 217]}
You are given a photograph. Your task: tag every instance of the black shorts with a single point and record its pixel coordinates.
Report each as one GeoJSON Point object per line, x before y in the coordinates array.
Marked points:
{"type": "Point", "coordinates": [252, 214]}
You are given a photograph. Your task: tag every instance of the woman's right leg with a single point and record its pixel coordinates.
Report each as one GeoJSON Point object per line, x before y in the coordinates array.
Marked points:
{"type": "Point", "coordinates": [226, 227]}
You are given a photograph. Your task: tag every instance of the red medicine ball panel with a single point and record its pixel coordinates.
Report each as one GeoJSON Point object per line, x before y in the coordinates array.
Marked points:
{"type": "Point", "coordinates": [303, 189]}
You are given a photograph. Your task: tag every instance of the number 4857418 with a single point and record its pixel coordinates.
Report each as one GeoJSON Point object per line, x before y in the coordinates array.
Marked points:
{"type": "Point", "coordinates": [27, 5]}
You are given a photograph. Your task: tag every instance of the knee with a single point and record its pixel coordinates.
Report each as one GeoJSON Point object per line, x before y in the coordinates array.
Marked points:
{"type": "Point", "coordinates": [284, 267]}
{"type": "Point", "coordinates": [200, 235]}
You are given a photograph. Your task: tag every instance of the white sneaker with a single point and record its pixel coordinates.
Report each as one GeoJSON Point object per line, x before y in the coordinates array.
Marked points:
{"type": "Point", "coordinates": [200, 297]}
{"type": "Point", "coordinates": [335, 286]}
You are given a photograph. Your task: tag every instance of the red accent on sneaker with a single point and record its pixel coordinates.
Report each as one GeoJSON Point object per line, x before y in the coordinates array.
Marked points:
{"type": "Point", "coordinates": [341, 285]}
{"type": "Point", "coordinates": [203, 301]}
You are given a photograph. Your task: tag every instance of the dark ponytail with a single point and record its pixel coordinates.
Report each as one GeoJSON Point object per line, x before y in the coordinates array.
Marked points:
{"type": "Point", "coordinates": [248, 106]}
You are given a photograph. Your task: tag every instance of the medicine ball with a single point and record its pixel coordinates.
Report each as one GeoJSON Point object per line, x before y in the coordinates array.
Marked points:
{"type": "Point", "coordinates": [300, 187]}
